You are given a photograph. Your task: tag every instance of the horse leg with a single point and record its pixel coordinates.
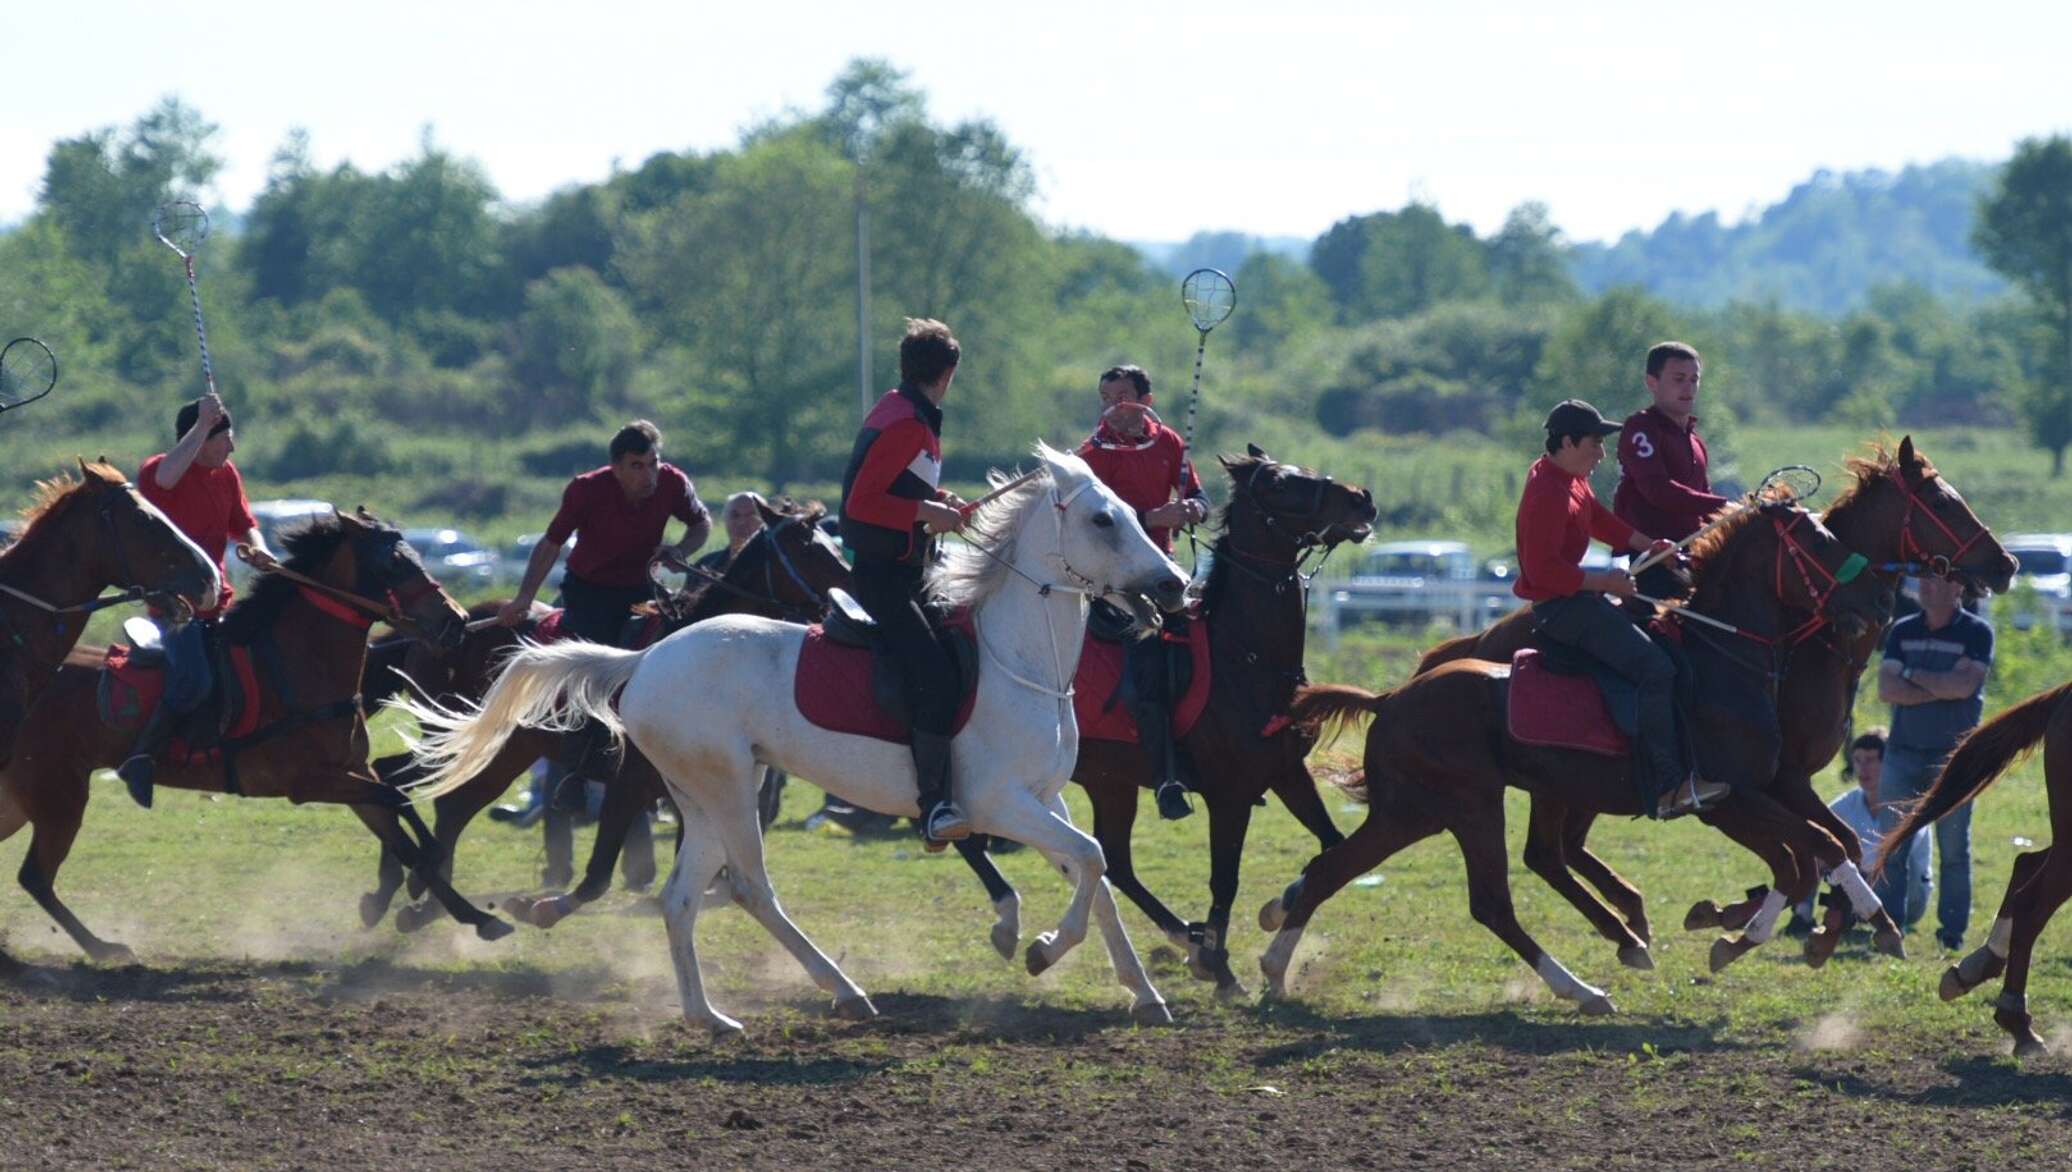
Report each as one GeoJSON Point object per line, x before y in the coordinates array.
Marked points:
{"type": "Point", "coordinates": [1115, 817]}
{"type": "Point", "coordinates": [1615, 889]}
{"type": "Point", "coordinates": [1297, 790]}
{"type": "Point", "coordinates": [395, 772]}
{"type": "Point", "coordinates": [1752, 818]}
{"type": "Point", "coordinates": [1546, 854]}
{"type": "Point", "coordinates": [1146, 1006]}
{"type": "Point", "coordinates": [1398, 816]}
{"type": "Point", "coordinates": [381, 809]}
{"type": "Point", "coordinates": [698, 858]}
{"type": "Point", "coordinates": [453, 812]}
{"type": "Point", "coordinates": [1018, 814]}
{"type": "Point", "coordinates": [2037, 901]}
{"type": "Point", "coordinates": [1989, 960]}
{"type": "Point", "coordinates": [1478, 827]}
{"type": "Point", "coordinates": [1229, 821]}
{"type": "Point", "coordinates": [49, 843]}
{"type": "Point", "coordinates": [1007, 903]}
{"type": "Point", "coordinates": [633, 791]}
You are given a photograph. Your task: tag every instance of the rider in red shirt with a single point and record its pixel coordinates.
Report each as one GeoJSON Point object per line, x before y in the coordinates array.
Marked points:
{"type": "Point", "coordinates": [197, 487]}
{"type": "Point", "coordinates": [1558, 514]}
{"type": "Point", "coordinates": [1145, 463]}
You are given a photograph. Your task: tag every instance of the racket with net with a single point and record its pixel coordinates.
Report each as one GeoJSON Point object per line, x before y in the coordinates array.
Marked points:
{"type": "Point", "coordinates": [28, 371]}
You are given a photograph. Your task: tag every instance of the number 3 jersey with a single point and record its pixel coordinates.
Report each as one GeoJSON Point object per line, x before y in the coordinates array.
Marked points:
{"type": "Point", "coordinates": [1664, 489]}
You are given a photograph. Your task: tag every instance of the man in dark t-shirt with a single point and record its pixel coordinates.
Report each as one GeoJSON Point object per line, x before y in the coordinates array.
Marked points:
{"type": "Point", "coordinates": [1934, 676]}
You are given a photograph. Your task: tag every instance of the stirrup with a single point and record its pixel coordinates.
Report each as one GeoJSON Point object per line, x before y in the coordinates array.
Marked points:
{"type": "Point", "coordinates": [944, 824]}
{"type": "Point", "coordinates": [1172, 801]}
{"type": "Point", "coordinates": [1692, 796]}
{"type": "Point", "coordinates": [137, 773]}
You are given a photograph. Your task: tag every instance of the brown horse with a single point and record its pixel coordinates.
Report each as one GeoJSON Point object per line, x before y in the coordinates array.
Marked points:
{"type": "Point", "coordinates": [83, 536]}
{"type": "Point", "coordinates": [784, 572]}
{"type": "Point", "coordinates": [1438, 756]}
{"type": "Point", "coordinates": [1903, 516]}
{"type": "Point", "coordinates": [1254, 604]}
{"type": "Point", "coordinates": [2042, 879]}
{"type": "Point", "coordinates": [306, 645]}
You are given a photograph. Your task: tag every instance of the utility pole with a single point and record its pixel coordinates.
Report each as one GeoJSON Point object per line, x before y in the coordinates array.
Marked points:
{"type": "Point", "coordinates": [863, 296]}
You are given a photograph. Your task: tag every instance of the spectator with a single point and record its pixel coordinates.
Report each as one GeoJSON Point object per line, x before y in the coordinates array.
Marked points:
{"type": "Point", "coordinates": [742, 517]}
{"type": "Point", "coordinates": [1872, 818]}
{"type": "Point", "coordinates": [1934, 676]}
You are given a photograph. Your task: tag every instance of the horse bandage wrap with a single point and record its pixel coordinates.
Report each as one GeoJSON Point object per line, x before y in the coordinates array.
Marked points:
{"type": "Point", "coordinates": [1862, 900]}
{"type": "Point", "coordinates": [1764, 925]}
{"type": "Point", "coordinates": [1852, 565]}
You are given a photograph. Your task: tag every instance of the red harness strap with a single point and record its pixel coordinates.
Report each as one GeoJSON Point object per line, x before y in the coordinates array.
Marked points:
{"type": "Point", "coordinates": [344, 613]}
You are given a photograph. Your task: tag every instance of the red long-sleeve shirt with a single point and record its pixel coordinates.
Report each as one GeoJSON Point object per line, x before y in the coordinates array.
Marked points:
{"type": "Point", "coordinates": [1557, 517]}
{"type": "Point", "coordinates": [1664, 489]}
{"type": "Point", "coordinates": [1147, 472]}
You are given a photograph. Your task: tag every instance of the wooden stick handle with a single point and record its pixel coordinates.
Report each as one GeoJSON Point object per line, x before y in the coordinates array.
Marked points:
{"type": "Point", "coordinates": [1725, 515]}
{"type": "Point", "coordinates": [971, 507]}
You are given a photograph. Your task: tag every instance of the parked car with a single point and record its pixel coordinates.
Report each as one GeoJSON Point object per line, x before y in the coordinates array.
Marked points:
{"type": "Point", "coordinates": [2046, 570]}
{"type": "Point", "coordinates": [458, 561]}
{"type": "Point", "coordinates": [1417, 582]}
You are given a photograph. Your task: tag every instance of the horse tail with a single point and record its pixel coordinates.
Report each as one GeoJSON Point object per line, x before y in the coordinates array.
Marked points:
{"type": "Point", "coordinates": [1342, 706]}
{"type": "Point", "coordinates": [1458, 647]}
{"type": "Point", "coordinates": [556, 686]}
{"type": "Point", "coordinates": [1980, 759]}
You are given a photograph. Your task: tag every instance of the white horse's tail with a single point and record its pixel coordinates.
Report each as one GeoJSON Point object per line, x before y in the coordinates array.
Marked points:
{"type": "Point", "coordinates": [557, 686]}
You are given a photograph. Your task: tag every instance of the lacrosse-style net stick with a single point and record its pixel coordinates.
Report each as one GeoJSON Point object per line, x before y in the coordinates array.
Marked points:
{"type": "Point", "coordinates": [182, 227]}
{"type": "Point", "coordinates": [1793, 484]}
{"type": "Point", "coordinates": [28, 370]}
{"type": "Point", "coordinates": [1209, 297]}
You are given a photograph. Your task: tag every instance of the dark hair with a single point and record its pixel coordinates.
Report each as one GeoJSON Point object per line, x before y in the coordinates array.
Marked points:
{"type": "Point", "coordinates": [1873, 740]}
{"type": "Point", "coordinates": [636, 438]}
{"type": "Point", "coordinates": [1135, 374]}
{"type": "Point", "coordinates": [1554, 441]}
{"type": "Point", "coordinates": [1660, 353]}
{"type": "Point", "coordinates": [184, 421]}
{"type": "Point", "coordinates": [926, 351]}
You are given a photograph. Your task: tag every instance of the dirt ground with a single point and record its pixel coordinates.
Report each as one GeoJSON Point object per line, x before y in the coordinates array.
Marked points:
{"type": "Point", "coordinates": [378, 1065]}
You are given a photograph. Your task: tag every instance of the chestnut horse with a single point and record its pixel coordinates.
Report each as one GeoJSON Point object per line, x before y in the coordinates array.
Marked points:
{"type": "Point", "coordinates": [1904, 517]}
{"type": "Point", "coordinates": [1439, 754]}
{"type": "Point", "coordinates": [83, 536]}
{"type": "Point", "coordinates": [306, 644]}
{"type": "Point", "coordinates": [2042, 879]}
{"type": "Point", "coordinates": [784, 572]}
{"type": "Point", "coordinates": [1254, 607]}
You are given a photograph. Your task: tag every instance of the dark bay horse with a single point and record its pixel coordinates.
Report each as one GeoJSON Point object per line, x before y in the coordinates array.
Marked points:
{"type": "Point", "coordinates": [1903, 516]}
{"type": "Point", "coordinates": [784, 572]}
{"type": "Point", "coordinates": [1439, 756]}
{"type": "Point", "coordinates": [2042, 879]}
{"type": "Point", "coordinates": [83, 536]}
{"type": "Point", "coordinates": [306, 644]}
{"type": "Point", "coordinates": [1254, 607]}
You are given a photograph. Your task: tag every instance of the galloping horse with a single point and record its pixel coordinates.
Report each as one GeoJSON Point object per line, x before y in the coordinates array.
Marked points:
{"type": "Point", "coordinates": [1439, 754]}
{"type": "Point", "coordinates": [83, 536]}
{"type": "Point", "coordinates": [2042, 879]}
{"type": "Point", "coordinates": [309, 741]}
{"type": "Point", "coordinates": [783, 572]}
{"type": "Point", "coordinates": [1254, 607]}
{"type": "Point", "coordinates": [1904, 517]}
{"type": "Point", "coordinates": [706, 705]}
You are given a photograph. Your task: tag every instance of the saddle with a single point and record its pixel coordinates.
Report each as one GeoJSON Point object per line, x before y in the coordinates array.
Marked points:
{"type": "Point", "coordinates": [133, 682]}
{"type": "Point", "coordinates": [1103, 667]}
{"type": "Point", "coordinates": [1553, 705]}
{"type": "Point", "coordinates": [846, 683]}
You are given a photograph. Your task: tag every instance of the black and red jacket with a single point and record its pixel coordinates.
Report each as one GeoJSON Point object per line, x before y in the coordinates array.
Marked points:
{"type": "Point", "coordinates": [895, 465]}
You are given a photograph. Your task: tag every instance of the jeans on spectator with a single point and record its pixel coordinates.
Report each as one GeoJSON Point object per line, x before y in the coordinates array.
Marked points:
{"type": "Point", "coordinates": [1909, 772]}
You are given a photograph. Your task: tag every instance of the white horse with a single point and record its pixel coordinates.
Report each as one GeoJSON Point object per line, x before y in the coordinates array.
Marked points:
{"type": "Point", "coordinates": [711, 702]}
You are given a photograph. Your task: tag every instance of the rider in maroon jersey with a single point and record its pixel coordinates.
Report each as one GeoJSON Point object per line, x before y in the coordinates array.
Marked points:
{"type": "Point", "coordinates": [1664, 487]}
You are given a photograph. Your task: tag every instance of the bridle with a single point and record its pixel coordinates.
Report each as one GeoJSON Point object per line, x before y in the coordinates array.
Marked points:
{"type": "Point", "coordinates": [1305, 543]}
{"type": "Point", "coordinates": [105, 511]}
{"type": "Point", "coordinates": [351, 607]}
{"type": "Point", "coordinates": [1821, 586]}
{"type": "Point", "coordinates": [1910, 550]}
{"type": "Point", "coordinates": [775, 557]}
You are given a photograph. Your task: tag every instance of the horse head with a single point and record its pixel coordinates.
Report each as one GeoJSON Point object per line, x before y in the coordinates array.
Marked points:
{"type": "Point", "coordinates": [375, 562]}
{"type": "Point", "coordinates": [118, 538]}
{"type": "Point", "coordinates": [1913, 516]}
{"type": "Point", "coordinates": [1097, 543]}
{"type": "Point", "coordinates": [1289, 508]}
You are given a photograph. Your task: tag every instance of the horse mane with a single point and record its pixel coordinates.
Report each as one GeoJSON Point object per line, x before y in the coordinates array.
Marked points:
{"type": "Point", "coordinates": [308, 547]}
{"type": "Point", "coordinates": [965, 576]}
{"type": "Point", "coordinates": [1877, 462]}
{"type": "Point", "coordinates": [1219, 521]}
{"type": "Point", "coordinates": [1712, 546]}
{"type": "Point", "coordinates": [52, 494]}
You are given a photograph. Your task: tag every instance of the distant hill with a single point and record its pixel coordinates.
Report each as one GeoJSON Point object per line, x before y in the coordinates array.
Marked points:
{"type": "Point", "coordinates": [1219, 250]}
{"type": "Point", "coordinates": [1829, 242]}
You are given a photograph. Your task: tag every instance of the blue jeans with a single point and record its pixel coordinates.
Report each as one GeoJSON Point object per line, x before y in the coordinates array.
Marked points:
{"type": "Point", "coordinates": [188, 675]}
{"type": "Point", "coordinates": [1908, 774]}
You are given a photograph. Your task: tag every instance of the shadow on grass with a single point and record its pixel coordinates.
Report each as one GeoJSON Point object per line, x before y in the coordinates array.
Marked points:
{"type": "Point", "coordinates": [1502, 1029]}
{"type": "Point", "coordinates": [1981, 1082]}
{"type": "Point", "coordinates": [724, 1063]}
{"type": "Point", "coordinates": [207, 981]}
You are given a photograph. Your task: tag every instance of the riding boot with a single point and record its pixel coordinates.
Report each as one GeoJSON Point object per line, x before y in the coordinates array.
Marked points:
{"type": "Point", "coordinates": [941, 822]}
{"type": "Point", "coordinates": [141, 766]}
{"type": "Point", "coordinates": [1155, 733]}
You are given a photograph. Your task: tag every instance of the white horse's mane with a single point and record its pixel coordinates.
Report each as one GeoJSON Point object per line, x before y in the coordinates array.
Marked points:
{"type": "Point", "coordinates": [965, 577]}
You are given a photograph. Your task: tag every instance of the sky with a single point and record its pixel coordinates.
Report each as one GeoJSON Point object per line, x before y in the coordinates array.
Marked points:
{"type": "Point", "coordinates": [1144, 121]}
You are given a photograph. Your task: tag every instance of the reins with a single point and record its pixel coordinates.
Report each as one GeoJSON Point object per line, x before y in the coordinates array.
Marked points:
{"type": "Point", "coordinates": [390, 612]}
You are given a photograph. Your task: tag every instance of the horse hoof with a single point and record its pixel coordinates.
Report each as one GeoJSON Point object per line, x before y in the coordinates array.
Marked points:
{"type": "Point", "coordinates": [857, 1008]}
{"type": "Point", "coordinates": [1598, 1006]}
{"type": "Point", "coordinates": [493, 928]}
{"type": "Point", "coordinates": [1642, 933]}
{"type": "Point", "coordinates": [1151, 1013]}
{"type": "Point", "coordinates": [1820, 945]}
{"type": "Point", "coordinates": [1703, 915]}
{"type": "Point", "coordinates": [1276, 982]}
{"type": "Point", "coordinates": [723, 1028]}
{"type": "Point", "coordinates": [411, 917]}
{"type": "Point", "coordinates": [114, 954]}
{"type": "Point", "coordinates": [1889, 943]}
{"type": "Point", "coordinates": [1735, 917]}
{"type": "Point", "coordinates": [1272, 914]}
{"type": "Point", "coordinates": [1726, 950]}
{"type": "Point", "coordinates": [1637, 957]}
{"type": "Point", "coordinates": [372, 909]}
{"type": "Point", "coordinates": [2030, 1046]}
{"type": "Point", "coordinates": [1006, 937]}
{"type": "Point", "coordinates": [1037, 959]}
{"type": "Point", "coordinates": [545, 913]}
{"type": "Point", "coordinates": [1952, 986]}
{"type": "Point", "coordinates": [1232, 990]}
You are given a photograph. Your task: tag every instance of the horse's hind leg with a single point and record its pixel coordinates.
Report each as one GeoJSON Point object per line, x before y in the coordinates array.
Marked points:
{"type": "Point", "coordinates": [1146, 1006]}
{"type": "Point", "coordinates": [1229, 821]}
{"type": "Point", "coordinates": [1478, 826]}
{"type": "Point", "coordinates": [378, 809]}
{"type": "Point", "coordinates": [1613, 887]}
{"type": "Point", "coordinates": [1989, 960]}
{"type": "Point", "coordinates": [396, 772]}
{"type": "Point", "coordinates": [1546, 854]}
{"type": "Point", "coordinates": [2035, 903]}
{"type": "Point", "coordinates": [698, 859]}
{"type": "Point", "coordinates": [49, 843]}
{"type": "Point", "coordinates": [1007, 903]}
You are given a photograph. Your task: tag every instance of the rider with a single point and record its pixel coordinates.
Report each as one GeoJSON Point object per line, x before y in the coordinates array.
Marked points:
{"type": "Point", "coordinates": [891, 510]}
{"type": "Point", "coordinates": [1557, 516]}
{"type": "Point", "coordinates": [197, 487]}
{"type": "Point", "coordinates": [1663, 485]}
{"type": "Point", "coordinates": [1145, 463]}
{"type": "Point", "coordinates": [618, 514]}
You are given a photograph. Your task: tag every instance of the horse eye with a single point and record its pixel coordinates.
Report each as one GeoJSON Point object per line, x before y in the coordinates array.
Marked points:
{"type": "Point", "coordinates": [1103, 520]}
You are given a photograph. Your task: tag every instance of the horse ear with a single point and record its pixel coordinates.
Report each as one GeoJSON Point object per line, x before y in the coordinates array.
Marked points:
{"type": "Point", "coordinates": [770, 515]}
{"type": "Point", "coordinates": [1256, 452]}
{"type": "Point", "coordinates": [1909, 460]}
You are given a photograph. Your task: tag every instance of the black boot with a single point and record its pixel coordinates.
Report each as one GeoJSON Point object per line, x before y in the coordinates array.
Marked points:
{"type": "Point", "coordinates": [1155, 733]}
{"type": "Point", "coordinates": [941, 822]}
{"type": "Point", "coordinates": [141, 766]}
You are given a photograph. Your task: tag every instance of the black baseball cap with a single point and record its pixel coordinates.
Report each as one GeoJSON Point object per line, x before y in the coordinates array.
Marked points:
{"type": "Point", "coordinates": [190, 414]}
{"type": "Point", "coordinates": [1575, 417]}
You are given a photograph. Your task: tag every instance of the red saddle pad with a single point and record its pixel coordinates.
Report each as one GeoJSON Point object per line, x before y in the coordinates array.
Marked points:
{"type": "Point", "coordinates": [1559, 711]}
{"type": "Point", "coordinates": [1095, 690]}
{"type": "Point", "coordinates": [833, 690]}
{"type": "Point", "coordinates": [130, 693]}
